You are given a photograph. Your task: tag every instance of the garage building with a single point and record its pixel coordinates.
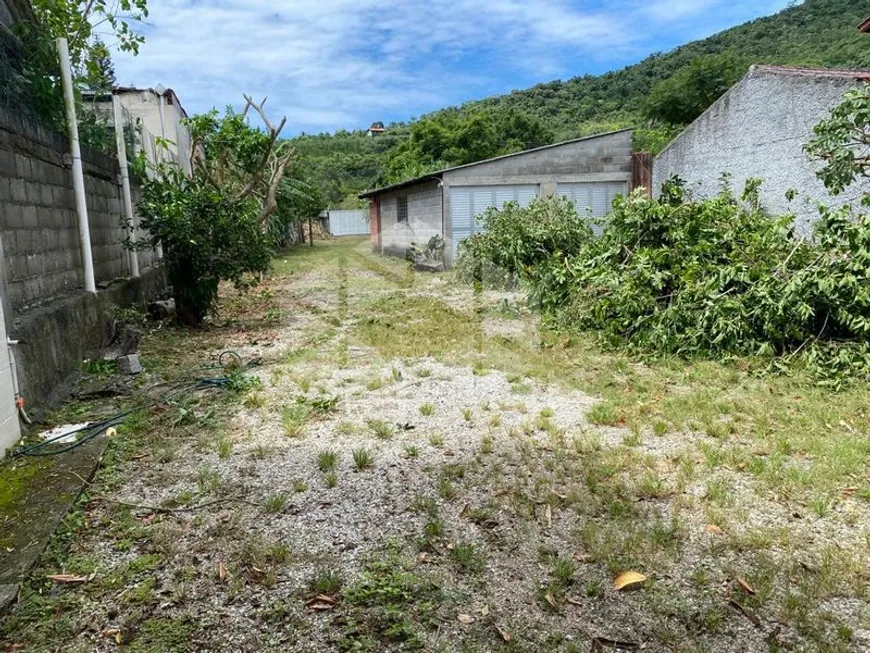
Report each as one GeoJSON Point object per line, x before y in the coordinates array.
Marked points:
{"type": "Point", "coordinates": [590, 171]}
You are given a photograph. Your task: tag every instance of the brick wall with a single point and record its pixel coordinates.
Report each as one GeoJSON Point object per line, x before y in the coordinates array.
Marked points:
{"type": "Point", "coordinates": [38, 219]}
{"type": "Point", "coordinates": [424, 218]}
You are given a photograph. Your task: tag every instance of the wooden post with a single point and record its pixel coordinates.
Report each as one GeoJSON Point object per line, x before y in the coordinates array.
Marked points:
{"type": "Point", "coordinates": [310, 233]}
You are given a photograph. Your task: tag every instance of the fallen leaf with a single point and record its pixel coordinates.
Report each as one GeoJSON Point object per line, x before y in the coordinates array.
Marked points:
{"type": "Point", "coordinates": [548, 514]}
{"type": "Point", "coordinates": [573, 601]}
{"type": "Point", "coordinates": [549, 598]}
{"type": "Point", "coordinates": [321, 602]}
{"type": "Point", "coordinates": [423, 557]}
{"type": "Point", "coordinates": [465, 619]}
{"type": "Point", "coordinates": [483, 611]}
{"type": "Point", "coordinates": [746, 587]}
{"type": "Point", "coordinates": [849, 491]}
{"type": "Point", "coordinates": [465, 512]}
{"type": "Point", "coordinates": [221, 572]}
{"type": "Point", "coordinates": [563, 497]}
{"type": "Point", "coordinates": [69, 578]}
{"type": "Point", "coordinates": [628, 579]}
{"type": "Point", "coordinates": [712, 528]}
{"type": "Point", "coordinates": [505, 635]}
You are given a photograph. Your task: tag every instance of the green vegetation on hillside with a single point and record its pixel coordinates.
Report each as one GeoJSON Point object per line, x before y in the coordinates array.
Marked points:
{"type": "Point", "coordinates": [658, 95]}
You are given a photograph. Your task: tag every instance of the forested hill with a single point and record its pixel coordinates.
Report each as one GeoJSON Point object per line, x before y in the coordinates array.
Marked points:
{"type": "Point", "coordinates": [658, 94]}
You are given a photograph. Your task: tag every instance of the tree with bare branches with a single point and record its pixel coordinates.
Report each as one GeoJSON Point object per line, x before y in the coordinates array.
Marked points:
{"type": "Point", "coordinates": [220, 223]}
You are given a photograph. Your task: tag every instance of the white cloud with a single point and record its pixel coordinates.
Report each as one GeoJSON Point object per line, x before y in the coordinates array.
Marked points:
{"type": "Point", "coordinates": [331, 64]}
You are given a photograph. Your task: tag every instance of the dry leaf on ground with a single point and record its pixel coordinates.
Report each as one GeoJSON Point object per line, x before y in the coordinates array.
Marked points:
{"type": "Point", "coordinates": [628, 580]}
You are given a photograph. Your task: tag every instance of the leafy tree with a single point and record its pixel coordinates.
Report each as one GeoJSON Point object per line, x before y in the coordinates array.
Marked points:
{"type": "Point", "coordinates": [217, 224]}
{"type": "Point", "coordinates": [685, 96]}
{"type": "Point", "coordinates": [842, 141]}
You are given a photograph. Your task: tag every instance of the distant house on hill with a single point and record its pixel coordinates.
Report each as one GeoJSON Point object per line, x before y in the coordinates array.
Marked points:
{"type": "Point", "coordinates": [375, 128]}
{"type": "Point", "coordinates": [589, 171]}
{"type": "Point", "coordinates": [758, 129]}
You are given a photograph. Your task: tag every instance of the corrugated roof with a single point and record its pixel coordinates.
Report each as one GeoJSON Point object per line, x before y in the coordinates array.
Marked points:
{"type": "Point", "coordinates": [436, 175]}
{"type": "Point", "coordinates": [806, 71]}
{"type": "Point", "coordinates": [865, 26]}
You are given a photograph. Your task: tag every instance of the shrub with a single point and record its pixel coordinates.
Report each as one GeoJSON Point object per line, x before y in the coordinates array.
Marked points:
{"type": "Point", "coordinates": [519, 243]}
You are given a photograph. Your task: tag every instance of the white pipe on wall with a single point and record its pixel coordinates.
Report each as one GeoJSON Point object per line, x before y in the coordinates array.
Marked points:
{"type": "Point", "coordinates": [125, 184]}
{"type": "Point", "coordinates": [77, 170]}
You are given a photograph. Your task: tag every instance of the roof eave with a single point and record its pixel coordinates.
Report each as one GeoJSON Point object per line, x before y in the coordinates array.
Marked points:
{"type": "Point", "coordinates": [865, 26]}
{"type": "Point", "coordinates": [439, 173]}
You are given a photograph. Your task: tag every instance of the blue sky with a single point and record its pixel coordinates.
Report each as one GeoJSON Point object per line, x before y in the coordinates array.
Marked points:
{"type": "Point", "coordinates": [340, 64]}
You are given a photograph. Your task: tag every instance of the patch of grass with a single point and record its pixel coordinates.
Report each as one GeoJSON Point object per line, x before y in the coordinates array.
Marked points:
{"type": "Point", "coordinates": [427, 410]}
{"type": "Point", "coordinates": [294, 418]}
{"type": "Point", "coordinates": [363, 459]}
{"type": "Point", "coordinates": [208, 480]}
{"type": "Point", "coordinates": [346, 427]}
{"type": "Point", "coordinates": [412, 450]}
{"type": "Point", "coordinates": [423, 372]}
{"type": "Point", "coordinates": [275, 502]}
{"type": "Point", "coordinates": [487, 444]}
{"type": "Point", "coordinates": [659, 427]}
{"type": "Point", "coordinates": [380, 428]}
{"type": "Point", "coordinates": [300, 486]}
{"type": "Point", "coordinates": [327, 460]}
{"type": "Point", "coordinates": [225, 448]}
{"type": "Point", "coordinates": [326, 581]}
{"type": "Point", "coordinates": [468, 557]}
{"type": "Point", "coordinates": [467, 414]}
{"type": "Point", "coordinates": [603, 414]}
{"type": "Point", "coordinates": [330, 479]}
{"type": "Point", "coordinates": [375, 383]}
{"type": "Point", "coordinates": [446, 489]}
{"type": "Point", "coordinates": [436, 439]}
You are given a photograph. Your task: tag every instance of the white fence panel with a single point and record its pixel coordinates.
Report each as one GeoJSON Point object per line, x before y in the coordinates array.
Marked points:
{"type": "Point", "coordinates": [344, 222]}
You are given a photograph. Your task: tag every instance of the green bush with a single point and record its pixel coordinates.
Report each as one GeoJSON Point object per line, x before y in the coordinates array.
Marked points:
{"type": "Point", "coordinates": [522, 243]}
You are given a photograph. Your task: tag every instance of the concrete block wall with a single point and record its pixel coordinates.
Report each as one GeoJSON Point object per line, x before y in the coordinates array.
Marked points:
{"type": "Point", "coordinates": [38, 219]}
{"type": "Point", "coordinates": [424, 218]}
{"type": "Point", "coordinates": [758, 129]}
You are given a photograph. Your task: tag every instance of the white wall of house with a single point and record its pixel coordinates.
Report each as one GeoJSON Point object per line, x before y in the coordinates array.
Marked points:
{"type": "Point", "coordinates": [144, 104]}
{"type": "Point", "coordinates": [759, 129]}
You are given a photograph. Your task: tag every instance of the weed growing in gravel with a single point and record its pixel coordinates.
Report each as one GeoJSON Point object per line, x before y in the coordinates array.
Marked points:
{"type": "Point", "coordinates": [427, 410]}
{"type": "Point", "coordinates": [346, 428]}
{"type": "Point", "coordinates": [446, 490]}
{"type": "Point", "coordinates": [275, 502]}
{"type": "Point", "coordinates": [261, 452]}
{"type": "Point", "coordinates": [468, 557]}
{"type": "Point", "coordinates": [380, 428]}
{"type": "Point", "coordinates": [322, 404]}
{"type": "Point", "coordinates": [330, 479]}
{"type": "Point", "coordinates": [326, 581]}
{"type": "Point", "coordinates": [423, 372]}
{"type": "Point", "coordinates": [375, 383]}
{"type": "Point", "coordinates": [659, 428]}
{"type": "Point", "coordinates": [487, 444]}
{"type": "Point", "coordinates": [467, 414]}
{"type": "Point", "coordinates": [294, 418]}
{"type": "Point", "coordinates": [208, 480]}
{"type": "Point", "coordinates": [363, 459]}
{"type": "Point", "coordinates": [495, 421]}
{"type": "Point", "coordinates": [412, 450]}
{"type": "Point", "coordinates": [327, 460]}
{"type": "Point", "coordinates": [603, 414]}
{"type": "Point", "coordinates": [396, 374]}
{"type": "Point", "coordinates": [436, 440]}
{"type": "Point", "coordinates": [225, 448]}
{"type": "Point", "coordinates": [300, 486]}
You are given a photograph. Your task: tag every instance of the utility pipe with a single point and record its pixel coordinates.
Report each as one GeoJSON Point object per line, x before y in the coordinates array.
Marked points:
{"type": "Point", "coordinates": [160, 93]}
{"type": "Point", "coordinates": [125, 184]}
{"type": "Point", "coordinates": [77, 170]}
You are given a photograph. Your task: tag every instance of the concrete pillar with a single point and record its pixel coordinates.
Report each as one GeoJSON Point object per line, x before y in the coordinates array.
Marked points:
{"type": "Point", "coordinates": [10, 429]}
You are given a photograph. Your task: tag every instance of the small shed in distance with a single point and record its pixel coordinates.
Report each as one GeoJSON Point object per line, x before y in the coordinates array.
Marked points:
{"type": "Point", "coordinates": [590, 171]}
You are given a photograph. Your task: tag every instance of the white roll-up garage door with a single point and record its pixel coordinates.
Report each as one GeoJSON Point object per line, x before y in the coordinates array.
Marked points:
{"type": "Point", "coordinates": [467, 203]}
{"type": "Point", "coordinates": [593, 199]}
